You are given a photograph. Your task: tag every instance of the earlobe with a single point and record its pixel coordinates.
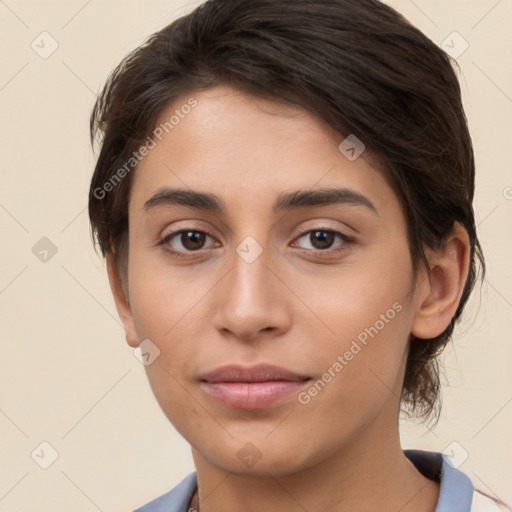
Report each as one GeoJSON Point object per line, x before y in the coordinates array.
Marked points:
{"type": "Point", "coordinates": [442, 290]}
{"type": "Point", "coordinates": [122, 302]}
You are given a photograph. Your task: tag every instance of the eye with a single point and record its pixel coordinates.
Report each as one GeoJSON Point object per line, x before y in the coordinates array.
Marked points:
{"type": "Point", "coordinates": [321, 240]}
{"type": "Point", "coordinates": [184, 240]}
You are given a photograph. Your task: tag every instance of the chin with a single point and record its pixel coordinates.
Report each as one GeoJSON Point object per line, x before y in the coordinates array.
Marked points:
{"type": "Point", "coordinates": [257, 456]}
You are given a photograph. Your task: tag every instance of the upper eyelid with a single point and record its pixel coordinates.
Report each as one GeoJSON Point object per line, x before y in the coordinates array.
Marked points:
{"type": "Point", "coordinates": [320, 228]}
{"type": "Point", "coordinates": [301, 232]}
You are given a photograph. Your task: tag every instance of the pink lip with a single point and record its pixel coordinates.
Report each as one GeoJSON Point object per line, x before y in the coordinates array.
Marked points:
{"type": "Point", "coordinates": [256, 387]}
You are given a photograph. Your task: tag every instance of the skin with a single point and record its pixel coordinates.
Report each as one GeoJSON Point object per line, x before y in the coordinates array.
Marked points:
{"type": "Point", "coordinates": [341, 451]}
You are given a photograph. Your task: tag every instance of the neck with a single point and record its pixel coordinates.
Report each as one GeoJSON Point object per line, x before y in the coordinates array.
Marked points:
{"type": "Point", "coordinates": [381, 478]}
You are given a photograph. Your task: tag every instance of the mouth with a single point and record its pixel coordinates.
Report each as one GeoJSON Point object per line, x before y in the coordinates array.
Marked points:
{"type": "Point", "coordinates": [256, 387]}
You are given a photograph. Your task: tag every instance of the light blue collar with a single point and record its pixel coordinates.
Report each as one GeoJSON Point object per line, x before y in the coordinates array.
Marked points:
{"type": "Point", "coordinates": [176, 500]}
{"type": "Point", "coordinates": [456, 493]}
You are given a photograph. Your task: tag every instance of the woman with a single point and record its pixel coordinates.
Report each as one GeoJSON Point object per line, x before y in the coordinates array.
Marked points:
{"type": "Point", "coordinates": [284, 195]}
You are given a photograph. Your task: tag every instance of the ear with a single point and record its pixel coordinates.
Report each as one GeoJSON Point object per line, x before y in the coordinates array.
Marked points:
{"type": "Point", "coordinates": [442, 289]}
{"type": "Point", "coordinates": [122, 302]}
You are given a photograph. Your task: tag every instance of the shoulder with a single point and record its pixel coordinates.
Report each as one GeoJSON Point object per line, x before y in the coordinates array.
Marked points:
{"type": "Point", "coordinates": [175, 500]}
{"type": "Point", "coordinates": [457, 493]}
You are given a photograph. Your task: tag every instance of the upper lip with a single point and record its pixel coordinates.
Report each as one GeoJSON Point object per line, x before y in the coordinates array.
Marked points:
{"type": "Point", "coordinates": [258, 373]}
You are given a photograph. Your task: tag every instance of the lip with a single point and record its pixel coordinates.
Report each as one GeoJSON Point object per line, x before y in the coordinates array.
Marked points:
{"type": "Point", "coordinates": [255, 387]}
{"type": "Point", "coordinates": [256, 373]}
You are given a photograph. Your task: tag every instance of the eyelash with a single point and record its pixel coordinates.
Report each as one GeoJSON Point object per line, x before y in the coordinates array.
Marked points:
{"type": "Point", "coordinates": [319, 253]}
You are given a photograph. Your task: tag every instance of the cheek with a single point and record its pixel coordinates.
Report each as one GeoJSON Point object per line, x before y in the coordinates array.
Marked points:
{"type": "Point", "coordinates": [163, 297]}
{"type": "Point", "coordinates": [363, 360]}
{"type": "Point", "coordinates": [358, 377]}
{"type": "Point", "coordinates": [345, 303]}
{"type": "Point", "coordinates": [165, 310]}
{"type": "Point", "coordinates": [360, 320]}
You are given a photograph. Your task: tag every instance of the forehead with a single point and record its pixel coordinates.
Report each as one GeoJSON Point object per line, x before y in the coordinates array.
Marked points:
{"type": "Point", "coordinates": [248, 150]}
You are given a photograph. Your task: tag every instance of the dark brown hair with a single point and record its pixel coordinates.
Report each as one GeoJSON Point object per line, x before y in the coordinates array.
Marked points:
{"type": "Point", "coordinates": [357, 65]}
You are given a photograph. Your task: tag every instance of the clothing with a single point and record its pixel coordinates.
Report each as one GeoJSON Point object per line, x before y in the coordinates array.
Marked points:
{"type": "Point", "coordinates": [457, 493]}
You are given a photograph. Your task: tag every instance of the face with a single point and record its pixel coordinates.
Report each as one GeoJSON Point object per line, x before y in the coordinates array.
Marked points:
{"type": "Point", "coordinates": [270, 268]}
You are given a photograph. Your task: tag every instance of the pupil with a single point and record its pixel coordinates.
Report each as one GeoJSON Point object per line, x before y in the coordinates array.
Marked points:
{"type": "Point", "coordinates": [324, 237]}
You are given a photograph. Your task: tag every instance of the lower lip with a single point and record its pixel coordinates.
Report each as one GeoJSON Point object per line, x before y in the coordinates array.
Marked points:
{"type": "Point", "coordinates": [251, 395]}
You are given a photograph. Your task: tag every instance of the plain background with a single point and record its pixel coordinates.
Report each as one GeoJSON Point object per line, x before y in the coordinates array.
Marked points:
{"type": "Point", "coordinates": [68, 378]}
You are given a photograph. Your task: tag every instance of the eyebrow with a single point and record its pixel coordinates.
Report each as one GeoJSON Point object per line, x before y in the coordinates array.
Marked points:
{"type": "Point", "coordinates": [285, 201]}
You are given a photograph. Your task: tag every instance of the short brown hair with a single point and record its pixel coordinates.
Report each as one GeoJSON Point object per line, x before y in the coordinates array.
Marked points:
{"type": "Point", "coordinates": [356, 64]}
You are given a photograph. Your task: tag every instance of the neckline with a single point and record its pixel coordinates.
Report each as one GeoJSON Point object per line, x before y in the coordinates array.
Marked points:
{"type": "Point", "coordinates": [456, 489]}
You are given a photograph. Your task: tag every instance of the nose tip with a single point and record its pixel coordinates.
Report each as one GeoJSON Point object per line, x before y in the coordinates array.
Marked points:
{"type": "Point", "coordinates": [250, 302]}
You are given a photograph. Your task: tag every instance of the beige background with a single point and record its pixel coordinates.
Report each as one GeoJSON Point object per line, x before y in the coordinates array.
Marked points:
{"type": "Point", "coordinates": [67, 376]}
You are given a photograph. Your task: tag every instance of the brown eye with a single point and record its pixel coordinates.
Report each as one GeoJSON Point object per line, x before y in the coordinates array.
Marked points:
{"type": "Point", "coordinates": [321, 243]}
{"type": "Point", "coordinates": [185, 241]}
{"type": "Point", "coordinates": [192, 240]}
{"type": "Point", "coordinates": [321, 239]}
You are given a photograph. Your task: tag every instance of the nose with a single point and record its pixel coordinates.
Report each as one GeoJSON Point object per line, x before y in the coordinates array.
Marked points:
{"type": "Point", "coordinates": [252, 300]}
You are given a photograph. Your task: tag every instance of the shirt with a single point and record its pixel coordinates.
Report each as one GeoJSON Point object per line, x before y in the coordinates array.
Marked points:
{"type": "Point", "coordinates": [457, 493]}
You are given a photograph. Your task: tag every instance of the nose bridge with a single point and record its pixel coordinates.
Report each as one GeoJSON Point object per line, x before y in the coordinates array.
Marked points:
{"type": "Point", "coordinates": [250, 272]}
{"type": "Point", "coordinates": [249, 301]}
